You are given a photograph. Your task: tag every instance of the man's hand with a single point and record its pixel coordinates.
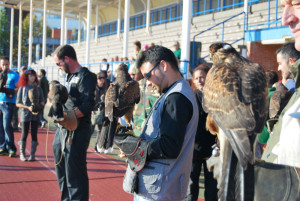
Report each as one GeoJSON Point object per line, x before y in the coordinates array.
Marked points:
{"type": "Point", "coordinates": [70, 121]}
{"type": "Point", "coordinates": [122, 154]}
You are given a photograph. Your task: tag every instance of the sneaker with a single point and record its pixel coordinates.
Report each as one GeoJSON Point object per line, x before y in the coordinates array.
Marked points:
{"type": "Point", "coordinates": [44, 124]}
{"type": "Point", "coordinates": [12, 153]}
{"type": "Point", "coordinates": [3, 152]}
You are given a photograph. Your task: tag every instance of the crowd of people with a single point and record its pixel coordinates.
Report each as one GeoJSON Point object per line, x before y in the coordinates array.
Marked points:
{"type": "Point", "coordinates": [169, 119]}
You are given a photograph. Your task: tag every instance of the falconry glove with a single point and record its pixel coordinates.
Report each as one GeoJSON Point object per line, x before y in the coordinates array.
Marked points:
{"type": "Point", "coordinates": [134, 148]}
{"type": "Point", "coordinates": [70, 121]}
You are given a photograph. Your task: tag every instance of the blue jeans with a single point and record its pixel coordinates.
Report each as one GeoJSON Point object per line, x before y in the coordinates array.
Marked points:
{"type": "Point", "coordinates": [7, 141]}
{"type": "Point", "coordinates": [139, 198]}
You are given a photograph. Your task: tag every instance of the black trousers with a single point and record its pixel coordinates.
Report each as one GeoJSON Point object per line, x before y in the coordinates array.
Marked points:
{"type": "Point", "coordinates": [25, 130]}
{"type": "Point", "coordinates": [71, 170]}
{"type": "Point", "coordinates": [210, 184]}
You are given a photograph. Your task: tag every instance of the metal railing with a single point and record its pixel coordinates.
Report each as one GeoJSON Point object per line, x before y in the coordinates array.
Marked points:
{"type": "Point", "coordinates": [169, 14]}
{"type": "Point", "coordinates": [194, 61]}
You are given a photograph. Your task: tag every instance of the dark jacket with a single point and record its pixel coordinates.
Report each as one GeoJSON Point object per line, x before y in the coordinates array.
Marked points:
{"type": "Point", "coordinates": [44, 84]}
{"type": "Point", "coordinates": [81, 86]}
{"type": "Point", "coordinates": [203, 139]}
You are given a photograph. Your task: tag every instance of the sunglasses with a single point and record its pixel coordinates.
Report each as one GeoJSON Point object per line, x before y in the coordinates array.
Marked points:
{"type": "Point", "coordinates": [101, 78]}
{"type": "Point", "coordinates": [148, 75]}
{"type": "Point", "coordinates": [60, 63]}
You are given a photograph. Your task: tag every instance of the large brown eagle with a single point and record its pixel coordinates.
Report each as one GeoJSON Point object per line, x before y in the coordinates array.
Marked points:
{"type": "Point", "coordinates": [120, 99]}
{"type": "Point", "coordinates": [235, 95]}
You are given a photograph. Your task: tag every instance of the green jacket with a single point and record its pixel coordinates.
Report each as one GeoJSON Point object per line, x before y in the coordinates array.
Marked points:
{"type": "Point", "coordinates": [275, 135]}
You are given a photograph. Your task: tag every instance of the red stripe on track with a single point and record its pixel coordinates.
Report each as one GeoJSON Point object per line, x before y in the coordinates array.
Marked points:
{"type": "Point", "coordinates": [36, 181]}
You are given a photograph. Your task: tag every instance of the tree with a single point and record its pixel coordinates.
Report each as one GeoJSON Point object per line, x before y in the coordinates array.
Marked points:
{"type": "Point", "coordinates": [37, 32]}
{"type": "Point", "coordinates": [4, 33]}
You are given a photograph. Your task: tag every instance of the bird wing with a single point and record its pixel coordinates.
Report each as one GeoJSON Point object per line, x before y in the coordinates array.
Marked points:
{"type": "Point", "coordinates": [110, 97]}
{"type": "Point", "coordinates": [254, 92]}
{"type": "Point", "coordinates": [278, 100]}
{"type": "Point", "coordinates": [223, 100]}
{"type": "Point", "coordinates": [127, 100]}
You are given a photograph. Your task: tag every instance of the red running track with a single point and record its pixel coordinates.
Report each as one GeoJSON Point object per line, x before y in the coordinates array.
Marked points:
{"type": "Point", "coordinates": [36, 181]}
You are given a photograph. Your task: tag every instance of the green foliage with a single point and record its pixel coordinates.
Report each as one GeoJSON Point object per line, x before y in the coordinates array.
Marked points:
{"type": "Point", "coordinates": [37, 31]}
{"type": "Point", "coordinates": [4, 33]}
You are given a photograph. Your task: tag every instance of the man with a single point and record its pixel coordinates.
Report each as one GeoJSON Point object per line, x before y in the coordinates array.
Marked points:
{"type": "Point", "coordinates": [177, 51]}
{"type": "Point", "coordinates": [44, 84]}
{"type": "Point", "coordinates": [7, 106]}
{"type": "Point", "coordinates": [137, 51]}
{"type": "Point", "coordinates": [287, 55]}
{"type": "Point", "coordinates": [204, 141]}
{"type": "Point", "coordinates": [71, 170]}
{"type": "Point", "coordinates": [291, 18]}
{"type": "Point", "coordinates": [169, 131]}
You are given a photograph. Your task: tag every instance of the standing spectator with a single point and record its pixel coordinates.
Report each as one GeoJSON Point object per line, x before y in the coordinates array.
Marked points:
{"type": "Point", "coordinates": [98, 112]}
{"type": "Point", "coordinates": [44, 84]}
{"type": "Point", "coordinates": [29, 118]}
{"type": "Point", "coordinates": [15, 118]}
{"type": "Point", "coordinates": [71, 170]}
{"type": "Point", "coordinates": [169, 131]}
{"type": "Point", "coordinates": [7, 105]}
{"type": "Point", "coordinates": [104, 66]}
{"type": "Point", "coordinates": [286, 126]}
{"type": "Point", "coordinates": [137, 51]}
{"type": "Point", "coordinates": [287, 55]}
{"type": "Point", "coordinates": [204, 141]}
{"type": "Point", "coordinates": [177, 51]}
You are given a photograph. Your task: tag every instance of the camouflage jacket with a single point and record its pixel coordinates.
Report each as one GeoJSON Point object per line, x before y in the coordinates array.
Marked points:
{"type": "Point", "coordinates": [148, 97]}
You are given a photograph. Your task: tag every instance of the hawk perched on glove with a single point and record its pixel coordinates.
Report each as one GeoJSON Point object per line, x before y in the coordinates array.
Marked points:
{"type": "Point", "coordinates": [235, 94]}
{"type": "Point", "coordinates": [58, 95]}
{"type": "Point", "coordinates": [120, 99]}
{"type": "Point", "coordinates": [34, 96]}
{"type": "Point", "coordinates": [3, 79]}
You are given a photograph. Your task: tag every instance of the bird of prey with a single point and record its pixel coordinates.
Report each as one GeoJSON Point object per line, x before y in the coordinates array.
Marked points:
{"type": "Point", "coordinates": [120, 99]}
{"type": "Point", "coordinates": [58, 95]}
{"type": "Point", "coordinates": [34, 97]}
{"type": "Point", "coordinates": [279, 99]}
{"type": "Point", "coordinates": [3, 79]}
{"type": "Point", "coordinates": [235, 94]}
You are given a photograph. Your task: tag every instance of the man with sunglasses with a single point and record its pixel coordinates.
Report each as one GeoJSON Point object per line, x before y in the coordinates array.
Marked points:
{"type": "Point", "coordinates": [7, 106]}
{"type": "Point", "coordinates": [169, 131]}
{"type": "Point", "coordinates": [71, 170]}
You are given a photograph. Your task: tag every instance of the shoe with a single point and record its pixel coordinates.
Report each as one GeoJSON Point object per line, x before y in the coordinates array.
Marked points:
{"type": "Point", "coordinates": [44, 124]}
{"type": "Point", "coordinates": [3, 152]}
{"type": "Point", "coordinates": [12, 153]}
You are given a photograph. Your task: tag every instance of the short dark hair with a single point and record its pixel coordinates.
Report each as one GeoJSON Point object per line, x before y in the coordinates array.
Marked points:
{"type": "Point", "coordinates": [272, 77]}
{"type": "Point", "coordinates": [138, 43]}
{"type": "Point", "coordinates": [155, 54]}
{"type": "Point", "coordinates": [289, 51]}
{"type": "Point", "coordinates": [202, 67]}
{"type": "Point", "coordinates": [43, 72]}
{"type": "Point", "coordinates": [65, 50]}
{"type": "Point", "coordinates": [4, 58]}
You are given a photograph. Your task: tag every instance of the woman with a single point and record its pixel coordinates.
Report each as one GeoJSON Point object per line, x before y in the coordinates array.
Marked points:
{"type": "Point", "coordinates": [29, 81]}
{"type": "Point", "coordinates": [203, 145]}
{"type": "Point", "coordinates": [98, 112]}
